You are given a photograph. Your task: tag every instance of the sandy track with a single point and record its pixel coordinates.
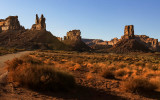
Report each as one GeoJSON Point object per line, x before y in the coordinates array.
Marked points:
{"type": "Point", "coordinates": [7, 57]}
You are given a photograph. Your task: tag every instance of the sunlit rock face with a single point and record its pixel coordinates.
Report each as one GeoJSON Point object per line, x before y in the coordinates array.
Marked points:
{"type": "Point", "coordinates": [39, 23]}
{"type": "Point", "coordinates": [128, 32]}
{"type": "Point", "coordinates": [10, 23]}
{"type": "Point", "coordinates": [113, 41]}
{"type": "Point", "coordinates": [73, 35]}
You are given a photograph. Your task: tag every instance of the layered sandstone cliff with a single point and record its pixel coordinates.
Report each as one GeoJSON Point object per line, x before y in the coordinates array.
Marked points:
{"type": "Point", "coordinates": [128, 32]}
{"type": "Point", "coordinates": [150, 42]}
{"type": "Point", "coordinates": [73, 39]}
{"type": "Point", "coordinates": [73, 35]}
{"type": "Point", "coordinates": [10, 23]}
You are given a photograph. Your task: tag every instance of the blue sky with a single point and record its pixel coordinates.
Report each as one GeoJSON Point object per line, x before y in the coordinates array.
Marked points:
{"type": "Point", "coordinates": [99, 19]}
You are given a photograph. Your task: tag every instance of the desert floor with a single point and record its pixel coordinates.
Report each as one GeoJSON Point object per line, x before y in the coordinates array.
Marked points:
{"type": "Point", "coordinates": [87, 69]}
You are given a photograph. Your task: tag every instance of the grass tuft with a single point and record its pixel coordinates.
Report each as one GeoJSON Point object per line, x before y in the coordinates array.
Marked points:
{"type": "Point", "coordinates": [138, 85]}
{"type": "Point", "coordinates": [38, 77]}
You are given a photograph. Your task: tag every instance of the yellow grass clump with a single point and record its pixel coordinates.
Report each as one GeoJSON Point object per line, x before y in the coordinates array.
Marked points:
{"type": "Point", "coordinates": [29, 73]}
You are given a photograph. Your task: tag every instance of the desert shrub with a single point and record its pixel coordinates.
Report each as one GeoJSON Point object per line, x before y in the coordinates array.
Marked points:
{"type": "Point", "coordinates": [138, 85]}
{"type": "Point", "coordinates": [109, 74]}
{"type": "Point", "coordinates": [120, 72]}
{"type": "Point", "coordinates": [12, 50]}
{"type": "Point", "coordinates": [39, 77]}
{"type": "Point", "coordinates": [156, 81]}
{"type": "Point", "coordinates": [78, 60]}
{"type": "Point", "coordinates": [96, 68]}
{"type": "Point", "coordinates": [29, 59]}
{"type": "Point", "coordinates": [154, 67]}
{"type": "Point", "coordinates": [140, 63]}
{"type": "Point", "coordinates": [122, 65]}
{"type": "Point", "coordinates": [12, 65]}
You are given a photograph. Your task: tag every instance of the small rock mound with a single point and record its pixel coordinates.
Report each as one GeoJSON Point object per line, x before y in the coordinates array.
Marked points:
{"type": "Point", "coordinates": [129, 45]}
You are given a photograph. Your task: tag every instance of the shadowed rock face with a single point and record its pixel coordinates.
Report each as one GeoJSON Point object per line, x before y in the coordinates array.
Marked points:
{"type": "Point", "coordinates": [10, 23]}
{"type": "Point", "coordinates": [73, 39]}
{"type": "Point", "coordinates": [74, 35]}
{"type": "Point", "coordinates": [39, 23]}
{"type": "Point", "coordinates": [128, 32]}
{"type": "Point", "coordinates": [150, 42]}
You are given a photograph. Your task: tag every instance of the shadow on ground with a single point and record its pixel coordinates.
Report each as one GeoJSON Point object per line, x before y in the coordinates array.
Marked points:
{"type": "Point", "coordinates": [151, 95]}
{"type": "Point", "coordinates": [84, 93]}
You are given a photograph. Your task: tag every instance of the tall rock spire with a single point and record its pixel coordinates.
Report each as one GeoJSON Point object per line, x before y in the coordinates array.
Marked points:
{"type": "Point", "coordinates": [128, 32]}
{"type": "Point", "coordinates": [37, 19]}
{"type": "Point", "coordinates": [39, 24]}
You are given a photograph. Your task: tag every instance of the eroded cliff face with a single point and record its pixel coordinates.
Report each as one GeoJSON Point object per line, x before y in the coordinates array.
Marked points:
{"type": "Point", "coordinates": [128, 32]}
{"type": "Point", "coordinates": [39, 23]}
{"type": "Point", "coordinates": [10, 23]}
{"type": "Point", "coordinates": [73, 40]}
{"type": "Point", "coordinates": [150, 42]}
{"type": "Point", "coordinates": [113, 41]}
{"type": "Point", "coordinates": [73, 35]}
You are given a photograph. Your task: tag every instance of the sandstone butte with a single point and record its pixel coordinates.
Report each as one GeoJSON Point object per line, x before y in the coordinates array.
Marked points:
{"type": "Point", "coordinates": [12, 23]}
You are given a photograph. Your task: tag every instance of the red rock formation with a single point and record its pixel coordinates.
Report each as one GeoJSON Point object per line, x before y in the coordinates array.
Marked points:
{"type": "Point", "coordinates": [10, 23]}
{"type": "Point", "coordinates": [113, 41]}
{"type": "Point", "coordinates": [73, 35]}
{"type": "Point", "coordinates": [39, 23]}
{"type": "Point", "coordinates": [128, 32]}
{"type": "Point", "coordinates": [150, 42]}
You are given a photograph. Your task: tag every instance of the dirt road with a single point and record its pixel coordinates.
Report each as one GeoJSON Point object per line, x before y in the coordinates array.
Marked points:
{"type": "Point", "coordinates": [7, 57]}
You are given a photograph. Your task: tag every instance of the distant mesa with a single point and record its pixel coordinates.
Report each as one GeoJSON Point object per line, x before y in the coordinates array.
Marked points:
{"type": "Point", "coordinates": [39, 23]}
{"type": "Point", "coordinates": [10, 23]}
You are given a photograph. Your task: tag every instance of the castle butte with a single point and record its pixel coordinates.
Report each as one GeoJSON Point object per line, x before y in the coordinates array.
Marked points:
{"type": "Point", "coordinates": [73, 39]}
{"type": "Point", "coordinates": [74, 35]}
{"type": "Point", "coordinates": [10, 23]}
{"type": "Point", "coordinates": [39, 23]}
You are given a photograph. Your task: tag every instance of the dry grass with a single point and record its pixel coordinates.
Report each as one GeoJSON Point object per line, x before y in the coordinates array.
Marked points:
{"type": "Point", "coordinates": [120, 72]}
{"type": "Point", "coordinates": [28, 72]}
{"type": "Point", "coordinates": [127, 68]}
{"type": "Point", "coordinates": [138, 85]}
{"type": "Point", "coordinates": [4, 51]}
{"type": "Point", "coordinates": [109, 74]}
